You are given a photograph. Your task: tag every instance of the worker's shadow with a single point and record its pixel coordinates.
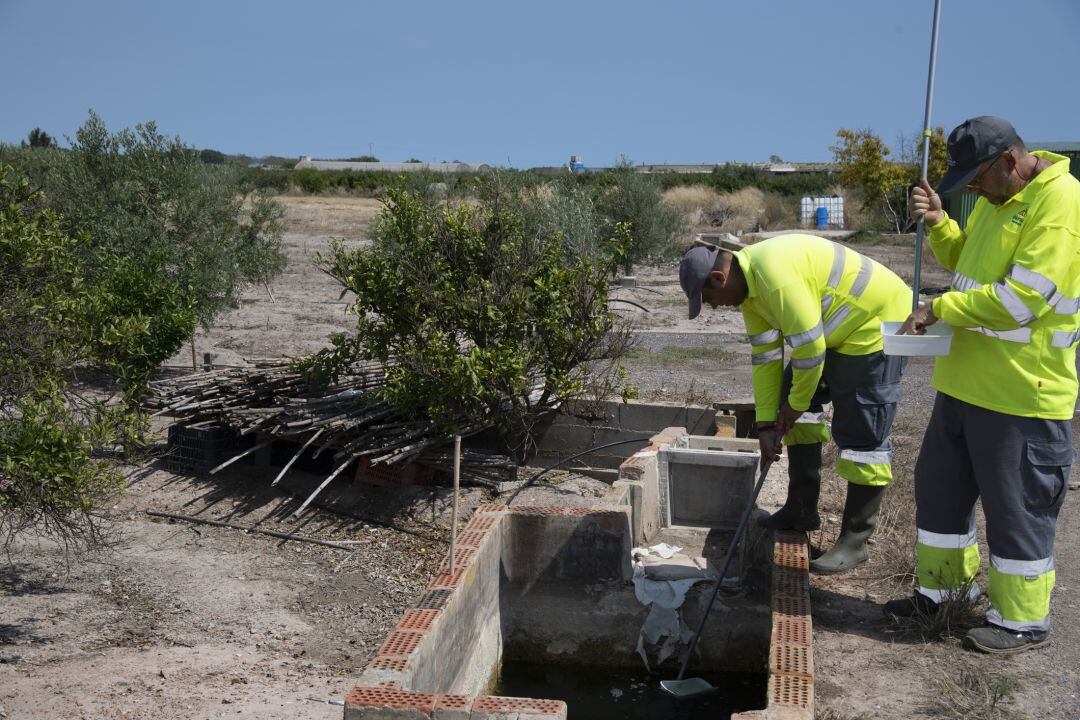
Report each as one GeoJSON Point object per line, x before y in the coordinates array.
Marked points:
{"type": "Point", "coordinates": [836, 612]}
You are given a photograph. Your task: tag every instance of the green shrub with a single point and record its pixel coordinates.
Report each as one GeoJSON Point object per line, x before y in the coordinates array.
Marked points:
{"type": "Point", "coordinates": [488, 311]}
{"type": "Point", "coordinates": [636, 200]}
{"type": "Point", "coordinates": [169, 236]}
{"type": "Point", "coordinates": [50, 318]}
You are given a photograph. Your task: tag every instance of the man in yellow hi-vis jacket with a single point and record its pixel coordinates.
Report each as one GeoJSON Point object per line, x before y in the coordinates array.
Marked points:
{"type": "Point", "coordinates": [1001, 426]}
{"type": "Point", "coordinates": [827, 302]}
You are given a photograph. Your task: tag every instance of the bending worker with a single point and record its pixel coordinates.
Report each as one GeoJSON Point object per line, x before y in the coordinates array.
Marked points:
{"type": "Point", "coordinates": [1001, 425]}
{"type": "Point", "coordinates": [827, 302]}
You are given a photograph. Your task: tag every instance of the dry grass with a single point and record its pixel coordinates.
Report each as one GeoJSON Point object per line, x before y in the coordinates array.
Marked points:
{"type": "Point", "coordinates": [971, 693]}
{"type": "Point", "coordinates": [746, 210]}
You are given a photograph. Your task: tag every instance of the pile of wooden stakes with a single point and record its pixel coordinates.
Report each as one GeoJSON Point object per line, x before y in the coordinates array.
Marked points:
{"type": "Point", "coordinates": [345, 418]}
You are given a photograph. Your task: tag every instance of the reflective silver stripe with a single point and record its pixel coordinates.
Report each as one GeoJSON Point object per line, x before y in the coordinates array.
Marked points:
{"type": "Point", "coordinates": [767, 357]}
{"type": "Point", "coordinates": [866, 269]}
{"type": "Point", "coordinates": [1064, 338]}
{"type": "Point", "coordinates": [867, 457]}
{"type": "Point", "coordinates": [994, 618]}
{"type": "Point", "coordinates": [826, 303]}
{"type": "Point", "coordinates": [836, 320]}
{"type": "Point", "coordinates": [766, 338]}
{"type": "Point", "coordinates": [837, 271]}
{"type": "Point", "coordinates": [810, 418]}
{"type": "Point", "coordinates": [804, 338]}
{"type": "Point", "coordinates": [1039, 283]}
{"type": "Point", "coordinates": [1027, 568]}
{"type": "Point", "coordinates": [963, 283]}
{"type": "Point", "coordinates": [950, 595]}
{"type": "Point", "coordinates": [1012, 302]}
{"type": "Point", "coordinates": [945, 541]}
{"type": "Point", "coordinates": [807, 363]}
{"type": "Point", "coordinates": [1067, 306]}
{"type": "Point", "coordinates": [1022, 335]}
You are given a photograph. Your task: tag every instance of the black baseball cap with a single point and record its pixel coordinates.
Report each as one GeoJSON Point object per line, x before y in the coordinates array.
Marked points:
{"type": "Point", "coordinates": [971, 143]}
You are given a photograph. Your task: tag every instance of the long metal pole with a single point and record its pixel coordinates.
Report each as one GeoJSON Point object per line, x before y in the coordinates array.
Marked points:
{"type": "Point", "coordinates": [454, 512]}
{"type": "Point", "coordinates": [920, 229]}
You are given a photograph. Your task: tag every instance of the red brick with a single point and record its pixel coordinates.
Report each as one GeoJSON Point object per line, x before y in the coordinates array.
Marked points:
{"type": "Point", "coordinates": [401, 643]}
{"type": "Point", "coordinates": [462, 557]}
{"type": "Point", "coordinates": [418, 620]}
{"type": "Point", "coordinates": [447, 580]}
{"type": "Point", "coordinates": [366, 702]}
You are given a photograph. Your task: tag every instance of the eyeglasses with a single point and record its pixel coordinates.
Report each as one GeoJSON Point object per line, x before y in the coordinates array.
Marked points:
{"type": "Point", "coordinates": [974, 182]}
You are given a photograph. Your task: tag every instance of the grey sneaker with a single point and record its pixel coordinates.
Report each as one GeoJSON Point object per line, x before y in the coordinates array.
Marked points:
{"type": "Point", "coordinates": [1002, 641]}
{"type": "Point", "coordinates": [917, 604]}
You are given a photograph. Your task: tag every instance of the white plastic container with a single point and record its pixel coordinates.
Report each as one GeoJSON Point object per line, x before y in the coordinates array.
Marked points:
{"type": "Point", "coordinates": [936, 341]}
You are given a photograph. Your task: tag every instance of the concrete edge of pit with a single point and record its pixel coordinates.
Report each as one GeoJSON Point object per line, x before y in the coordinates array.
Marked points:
{"type": "Point", "coordinates": [379, 694]}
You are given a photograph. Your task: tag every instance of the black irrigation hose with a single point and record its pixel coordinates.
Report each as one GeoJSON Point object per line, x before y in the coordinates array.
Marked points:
{"type": "Point", "coordinates": [540, 474]}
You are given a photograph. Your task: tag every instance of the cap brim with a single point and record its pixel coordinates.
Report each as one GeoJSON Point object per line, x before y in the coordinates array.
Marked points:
{"type": "Point", "coordinates": [956, 179]}
{"type": "Point", "coordinates": [695, 304]}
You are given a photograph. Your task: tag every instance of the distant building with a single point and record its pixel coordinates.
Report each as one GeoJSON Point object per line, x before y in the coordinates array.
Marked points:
{"type": "Point", "coordinates": [307, 162]}
{"type": "Point", "coordinates": [777, 168]}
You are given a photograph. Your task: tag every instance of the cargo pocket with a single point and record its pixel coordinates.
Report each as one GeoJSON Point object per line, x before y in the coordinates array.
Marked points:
{"type": "Point", "coordinates": [868, 417]}
{"type": "Point", "coordinates": [1044, 486]}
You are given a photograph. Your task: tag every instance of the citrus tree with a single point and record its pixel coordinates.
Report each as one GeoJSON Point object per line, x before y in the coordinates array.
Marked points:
{"type": "Point", "coordinates": [486, 312]}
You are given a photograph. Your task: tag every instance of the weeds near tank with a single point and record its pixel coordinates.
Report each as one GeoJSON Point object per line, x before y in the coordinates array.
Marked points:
{"type": "Point", "coordinates": [972, 693]}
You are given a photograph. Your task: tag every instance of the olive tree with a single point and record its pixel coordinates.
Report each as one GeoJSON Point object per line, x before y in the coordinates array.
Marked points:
{"type": "Point", "coordinates": [167, 232]}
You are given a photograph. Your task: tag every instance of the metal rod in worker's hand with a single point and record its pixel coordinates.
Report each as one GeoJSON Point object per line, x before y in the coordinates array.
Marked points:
{"type": "Point", "coordinates": [920, 228]}
{"type": "Point", "coordinates": [453, 513]}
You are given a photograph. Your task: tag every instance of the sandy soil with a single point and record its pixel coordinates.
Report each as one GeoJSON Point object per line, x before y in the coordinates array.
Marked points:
{"type": "Point", "coordinates": [188, 621]}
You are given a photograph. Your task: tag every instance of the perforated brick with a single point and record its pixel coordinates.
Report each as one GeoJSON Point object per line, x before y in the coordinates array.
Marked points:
{"type": "Point", "coordinates": [434, 599]}
{"type": "Point", "coordinates": [452, 707]}
{"type": "Point", "coordinates": [792, 659]}
{"type": "Point", "coordinates": [386, 475]}
{"type": "Point", "coordinates": [790, 690]}
{"type": "Point", "coordinates": [791, 630]}
{"type": "Point", "coordinates": [491, 507]}
{"type": "Point", "coordinates": [462, 557]}
{"type": "Point", "coordinates": [471, 538]}
{"type": "Point", "coordinates": [419, 620]}
{"type": "Point", "coordinates": [400, 643]}
{"type": "Point", "coordinates": [384, 697]}
{"type": "Point", "coordinates": [459, 702]}
{"type": "Point", "coordinates": [494, 703]}
{"type": "Point", "coordinates": [537, 510]}
{"type": "Point", "coordinates": [790, 582]}
{"type": "Point", "coordinates": [447, 579]}
{"type": "Point", "coordinates": [387, 662]}
{"type": "Point", "coordinates": [791, 555]}
{"type": "Point", "coordinates": [793, 605]}
{"type": "Point", "coordinates": [482, 522]}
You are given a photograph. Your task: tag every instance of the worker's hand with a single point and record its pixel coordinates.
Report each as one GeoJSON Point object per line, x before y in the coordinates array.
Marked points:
{"type": "Point", "coordinates": [787, 418]}
{"type": "Point", "coordinates": [925, 204]}
{"type": "Point", "coordinates": [918, 321]}
{"type": "Point", "coordinates": [769, 444]}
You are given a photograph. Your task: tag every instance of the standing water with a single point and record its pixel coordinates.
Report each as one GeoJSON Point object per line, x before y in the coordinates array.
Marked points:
{"type": "Point", "coordinates": [601, 693]}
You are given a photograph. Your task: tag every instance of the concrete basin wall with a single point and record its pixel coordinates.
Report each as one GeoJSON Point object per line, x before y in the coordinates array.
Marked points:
{"type": "Point", "coordinates": [552, 584]}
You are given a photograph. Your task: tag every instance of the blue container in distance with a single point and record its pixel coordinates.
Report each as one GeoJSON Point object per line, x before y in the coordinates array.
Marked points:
{"type": "Point", "coordinates": [822, 218]}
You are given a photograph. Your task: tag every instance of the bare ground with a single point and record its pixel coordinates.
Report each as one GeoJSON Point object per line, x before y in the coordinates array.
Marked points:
{"type": "Point", "coordinates": [191, 621]}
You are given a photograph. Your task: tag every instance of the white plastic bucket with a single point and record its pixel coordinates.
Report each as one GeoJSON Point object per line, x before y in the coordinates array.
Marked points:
{"type": "Point", "coordinates": [936, 341]}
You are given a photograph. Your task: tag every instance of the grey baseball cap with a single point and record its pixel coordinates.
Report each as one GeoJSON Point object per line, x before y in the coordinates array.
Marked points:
{"type": "Point", "coordinates": [971, 143]}
{"type": "Point", "coordinates": [694, 270]}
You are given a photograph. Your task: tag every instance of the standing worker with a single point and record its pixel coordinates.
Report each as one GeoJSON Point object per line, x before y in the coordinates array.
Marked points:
{"type": "Point", "coordinates": [827, 302]}
{"type": "Point", "coordinates": [1001, 425]}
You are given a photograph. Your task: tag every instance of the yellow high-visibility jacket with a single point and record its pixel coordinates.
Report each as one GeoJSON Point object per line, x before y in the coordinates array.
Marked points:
{"type": "Point", "coordinates": [814, 294]}
{"type": "Point", "coordinates": [1014, 299]}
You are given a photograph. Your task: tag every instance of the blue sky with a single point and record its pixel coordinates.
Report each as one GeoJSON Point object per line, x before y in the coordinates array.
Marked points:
{"type": "Point", "coordinates": [526, 84]}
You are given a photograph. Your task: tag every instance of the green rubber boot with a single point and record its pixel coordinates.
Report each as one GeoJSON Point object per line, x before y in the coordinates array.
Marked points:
{"type": "Point", "coordinates": [804, 486]}
{"type": "Point", "coordinates": [860, 519]}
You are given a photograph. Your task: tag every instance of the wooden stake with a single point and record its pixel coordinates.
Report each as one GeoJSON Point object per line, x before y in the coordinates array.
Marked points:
{"type": "Point", "coordinates": [247, 452]}
{"type": "Point", "coordinates": [294, 457]}
{"type": "Point", "coordinates": [454, 512]}
{"type": "Point", "coordinates": [194, 365]}
{"type": "Point", "coordinates": [320, 488]}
